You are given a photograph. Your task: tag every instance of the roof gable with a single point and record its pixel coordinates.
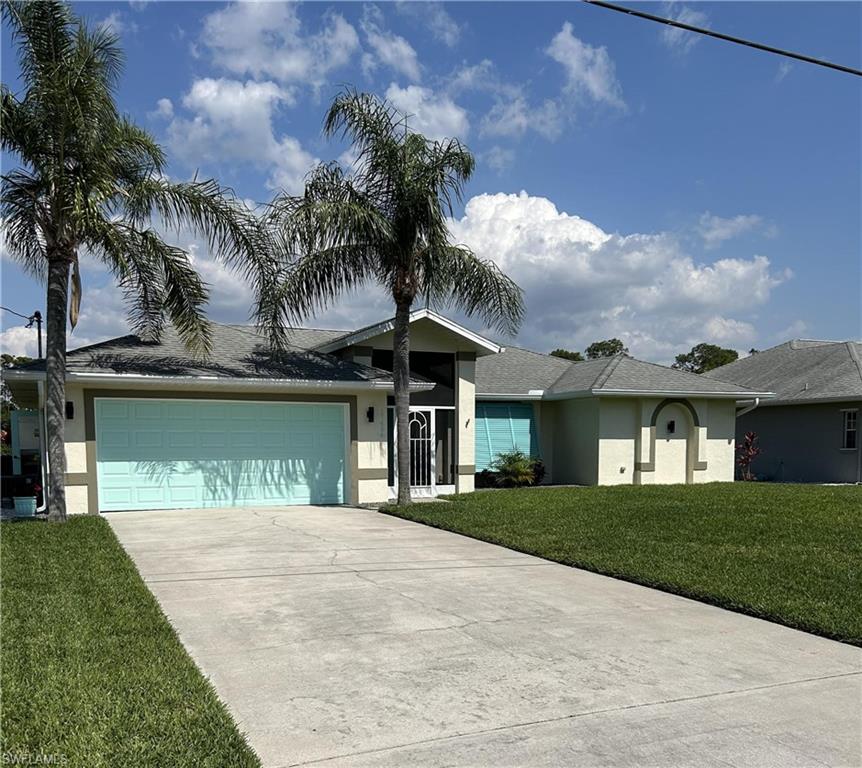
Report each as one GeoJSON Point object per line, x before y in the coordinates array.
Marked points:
{"type": "Point", "coordinates": [802, 370]}
{"type": "Point", "coordinates": [480, 344]}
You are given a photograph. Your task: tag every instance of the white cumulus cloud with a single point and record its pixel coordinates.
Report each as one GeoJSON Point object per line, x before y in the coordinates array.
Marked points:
{"type": "Point", "coordinates": [434, 17]}
{"type": "Point", "coordinates": [387, 48]}
{"type": "Point", "coordinates": [267, 39]}
{"type": "Point", "coordinates": [583, 284]}
{"type": "Point", "coordinates": [716, 229]}
{"type": "Point", "coordinates": [590, 71]}
{"type": "Point", "coordinates": [232, 123]}
{"type": "Point", "coordinates": [430, 113]}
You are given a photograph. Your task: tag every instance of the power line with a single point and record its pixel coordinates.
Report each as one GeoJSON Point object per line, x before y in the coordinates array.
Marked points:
{"type": "Point", "coordinates": [36, 318]}
{"type": "Point", "coordinates": [722, 36]}
{"type": "Point", "coordinates": [18, 314]}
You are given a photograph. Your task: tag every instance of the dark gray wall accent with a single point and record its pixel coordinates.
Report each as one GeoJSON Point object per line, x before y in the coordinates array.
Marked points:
{"type": "Point", "coordinates": [801, 443]}
{"type": "Point", "coordinates": [372, 473]}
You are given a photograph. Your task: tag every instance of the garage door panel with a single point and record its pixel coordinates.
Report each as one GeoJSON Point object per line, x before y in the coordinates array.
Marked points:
{"type": "Point", "coordinates": [168, 454]}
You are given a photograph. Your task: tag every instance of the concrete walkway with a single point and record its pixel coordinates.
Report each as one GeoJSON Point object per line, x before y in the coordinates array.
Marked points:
{"type": "Point", "coordinates": [345, 637]}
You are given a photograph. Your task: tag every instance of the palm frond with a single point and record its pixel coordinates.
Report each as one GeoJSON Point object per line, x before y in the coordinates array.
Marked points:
{"type": "Point", "coordinates": [455, 277]}
{"type": "Point", "coordinates": [158, 282]}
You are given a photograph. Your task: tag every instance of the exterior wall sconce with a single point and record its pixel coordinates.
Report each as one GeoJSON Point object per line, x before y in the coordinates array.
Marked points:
{"type": "Point", "coordinates": [671, 427]}
{"type": "Point", "coordinates": [70, 410]}
{"type": "Point", "coordinates": [369, 414]}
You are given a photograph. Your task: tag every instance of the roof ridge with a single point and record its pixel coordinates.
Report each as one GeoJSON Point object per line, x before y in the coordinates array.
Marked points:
{"type": "Point", "coordinates": [854, 356]}
{"type": "Point", "coordinates": [604, 374]}
{"type": "Point", "coordinates": [824, 342]}
{"type": "Point", "coordinates": [284, 327]}
{"type": "Point", "coordinates": [564, 360]}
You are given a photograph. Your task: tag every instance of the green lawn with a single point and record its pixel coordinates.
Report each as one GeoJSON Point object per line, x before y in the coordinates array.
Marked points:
{"type": "Point", "coordinates": [92, 674]}
{"type": "Point", "coordinates": [788, 553]}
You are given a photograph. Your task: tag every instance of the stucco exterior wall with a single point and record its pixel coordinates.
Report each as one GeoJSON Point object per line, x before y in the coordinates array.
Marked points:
{"type": "Point", "coordinates": [366, 475]}
{"type": "Point", "coordinates": [802, 443]}
{"type": "Point", "coordinates": [425, 336]}
{"type": "Point", "coordinates": [371, 464]}
{"type": "Point", "coordinates": [545, 415]}
{"type": "Point", "coordinates": [618, 419]}
{"type": "Point", "coordinates": [576, 441]}
{"type": "Point", "coordinates": [720, 442]}
{"type": "Point", "coordinates": [624, 441]}
{"type": "Point", "coordinates": [465, 418]}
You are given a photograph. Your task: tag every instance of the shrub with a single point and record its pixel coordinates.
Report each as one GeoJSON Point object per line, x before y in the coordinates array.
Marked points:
{"type": "Point", "coordinates": [515, 469]}
{"type": "Point", "coordinates": [746, 452]}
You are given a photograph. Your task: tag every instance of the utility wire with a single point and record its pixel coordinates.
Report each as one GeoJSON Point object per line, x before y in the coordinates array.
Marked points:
{"type": "Point", "coordinates": [722, 36]}
{"type": "Point", "coordinates": [12, 311]}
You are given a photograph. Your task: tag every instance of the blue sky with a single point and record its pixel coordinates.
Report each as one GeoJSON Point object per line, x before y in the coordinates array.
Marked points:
{"type": "Point", "coordinates": [657, 186]}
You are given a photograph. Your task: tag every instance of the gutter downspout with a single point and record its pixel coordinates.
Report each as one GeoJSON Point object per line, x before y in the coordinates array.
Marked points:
{"type": "Point", "coordinates": [43, 447]}
{"type": "Point", "coordinates": [748, 408]}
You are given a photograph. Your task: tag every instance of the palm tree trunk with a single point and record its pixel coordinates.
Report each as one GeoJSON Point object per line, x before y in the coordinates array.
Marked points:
{"type": "Point", "coordinates": [401, 374]}
{"type": "Point", "coordinates": [55, 394]}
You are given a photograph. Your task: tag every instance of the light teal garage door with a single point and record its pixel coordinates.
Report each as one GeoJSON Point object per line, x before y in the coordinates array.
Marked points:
{"type": "Point", "coordinates": [171, 454]}
{"type": "Point", "coordinates": [501, 428]}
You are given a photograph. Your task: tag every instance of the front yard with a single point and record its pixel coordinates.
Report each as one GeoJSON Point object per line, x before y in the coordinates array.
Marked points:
{"type": "Point", "coordinates": [788, 553]}
{"type": "Point", "coordinates": [92, 673]}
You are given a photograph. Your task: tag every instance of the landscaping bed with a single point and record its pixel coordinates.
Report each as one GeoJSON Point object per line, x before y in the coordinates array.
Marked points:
{"type": "Point", "coordinates": [92, 673]}
{"type": "Point", "coordinates": [787, 553]}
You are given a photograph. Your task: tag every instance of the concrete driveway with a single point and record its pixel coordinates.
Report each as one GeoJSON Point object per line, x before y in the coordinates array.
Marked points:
{"type": "Point", "coordinates": [350, 638]}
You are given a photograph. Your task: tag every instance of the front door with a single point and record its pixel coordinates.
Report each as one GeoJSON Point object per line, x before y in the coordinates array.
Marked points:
{"type": "Point", "coordinates": [431, 432]}
{"type": "Point", "coordinates": [422, 480]}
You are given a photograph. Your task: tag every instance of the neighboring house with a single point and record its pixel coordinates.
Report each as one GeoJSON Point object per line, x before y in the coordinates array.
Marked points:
{"type": "Point", "coordinates": [149, 427]}
{"type": "Point", "coordinates": [810, 431]}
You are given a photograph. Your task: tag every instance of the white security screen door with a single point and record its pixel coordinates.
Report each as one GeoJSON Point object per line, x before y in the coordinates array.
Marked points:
{"type": "Point", "coordinates": [431, 430]}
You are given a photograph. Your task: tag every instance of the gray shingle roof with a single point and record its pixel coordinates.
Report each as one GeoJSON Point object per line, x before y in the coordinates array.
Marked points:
{"type": "Point", "coordinates": [517, 371]}
{"type": "Point", "coordinates": [801, 370]}
{"type": "Point", "coordinates": [238, 352]}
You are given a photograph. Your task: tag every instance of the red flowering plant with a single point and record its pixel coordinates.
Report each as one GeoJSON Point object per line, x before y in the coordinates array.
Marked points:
{"type": "Point", "coordinates": [746, 452]}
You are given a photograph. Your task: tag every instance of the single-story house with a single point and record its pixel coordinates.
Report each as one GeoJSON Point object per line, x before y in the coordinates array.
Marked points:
{"type": "Point", "coordinates": [148, 427]}
{"type": "Point", "coordinates": [809, 432]}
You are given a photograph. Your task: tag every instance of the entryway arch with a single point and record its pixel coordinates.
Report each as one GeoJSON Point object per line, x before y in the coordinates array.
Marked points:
{"type": "Point", "coordinates": [674, 424]}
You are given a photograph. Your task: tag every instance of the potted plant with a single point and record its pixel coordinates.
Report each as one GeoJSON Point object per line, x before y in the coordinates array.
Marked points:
{"type": "Point", "coordinates": [25, 506]}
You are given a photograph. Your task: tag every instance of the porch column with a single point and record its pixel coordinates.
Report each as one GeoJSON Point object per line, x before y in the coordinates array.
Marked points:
{"type": "Point", "coordinates": [465, 417]}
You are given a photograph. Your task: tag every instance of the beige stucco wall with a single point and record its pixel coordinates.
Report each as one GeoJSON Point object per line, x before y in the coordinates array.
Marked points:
{"type": "Point", "coordinates": [545, 417]}
{"type": "Point", "coordinates": [465, 418]}
{"type": "Point", "coordinates": [673, 450]}
{"type": "Point", "coordinates": [576, 441]}
{"type": "Point", "coordinates": [425, 336]}
{"type": "Point", "coordinates": [720, 443]}
{"type": "Point", "coordinates": [371, 449]}
{"type": "Point", "coordinates": [611, 441]}
{"type": "Point", "coordinates": [617, 434]}
{"type": "Point", "coordinates": [365, 477]}
{"type": "Point", "coordinates": [76, 439]}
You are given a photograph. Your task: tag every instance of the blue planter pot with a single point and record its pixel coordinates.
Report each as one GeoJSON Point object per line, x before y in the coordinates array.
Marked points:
{"type": "Point", "coordinates": [25, 506]}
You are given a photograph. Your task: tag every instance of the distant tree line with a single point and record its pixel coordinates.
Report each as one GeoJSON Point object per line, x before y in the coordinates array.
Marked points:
{"type": "Point", "coordinates": [699, 359]}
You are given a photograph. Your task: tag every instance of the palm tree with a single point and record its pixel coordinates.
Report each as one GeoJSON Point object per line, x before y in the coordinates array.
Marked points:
{"type": "Point", "coordinates": [90, 180]}
{"type": "Point", "coordinates": [385, 223]}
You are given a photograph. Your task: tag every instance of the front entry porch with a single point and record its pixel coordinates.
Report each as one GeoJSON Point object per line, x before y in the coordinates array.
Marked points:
{"type": "Point", "coordinates": [432, 451]}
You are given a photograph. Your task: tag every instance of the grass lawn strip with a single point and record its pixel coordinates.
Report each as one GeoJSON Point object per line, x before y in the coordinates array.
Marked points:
{"type": "Point", "coordinates": [788, 553]}
{"type": "Point", "coordinates": [92, 672]}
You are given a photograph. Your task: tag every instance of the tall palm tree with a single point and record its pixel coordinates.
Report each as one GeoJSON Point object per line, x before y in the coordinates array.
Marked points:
{"type": "Point", "coordinates": [385, 223]}
{"type": "Point", "coordinates": [90, 180]}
